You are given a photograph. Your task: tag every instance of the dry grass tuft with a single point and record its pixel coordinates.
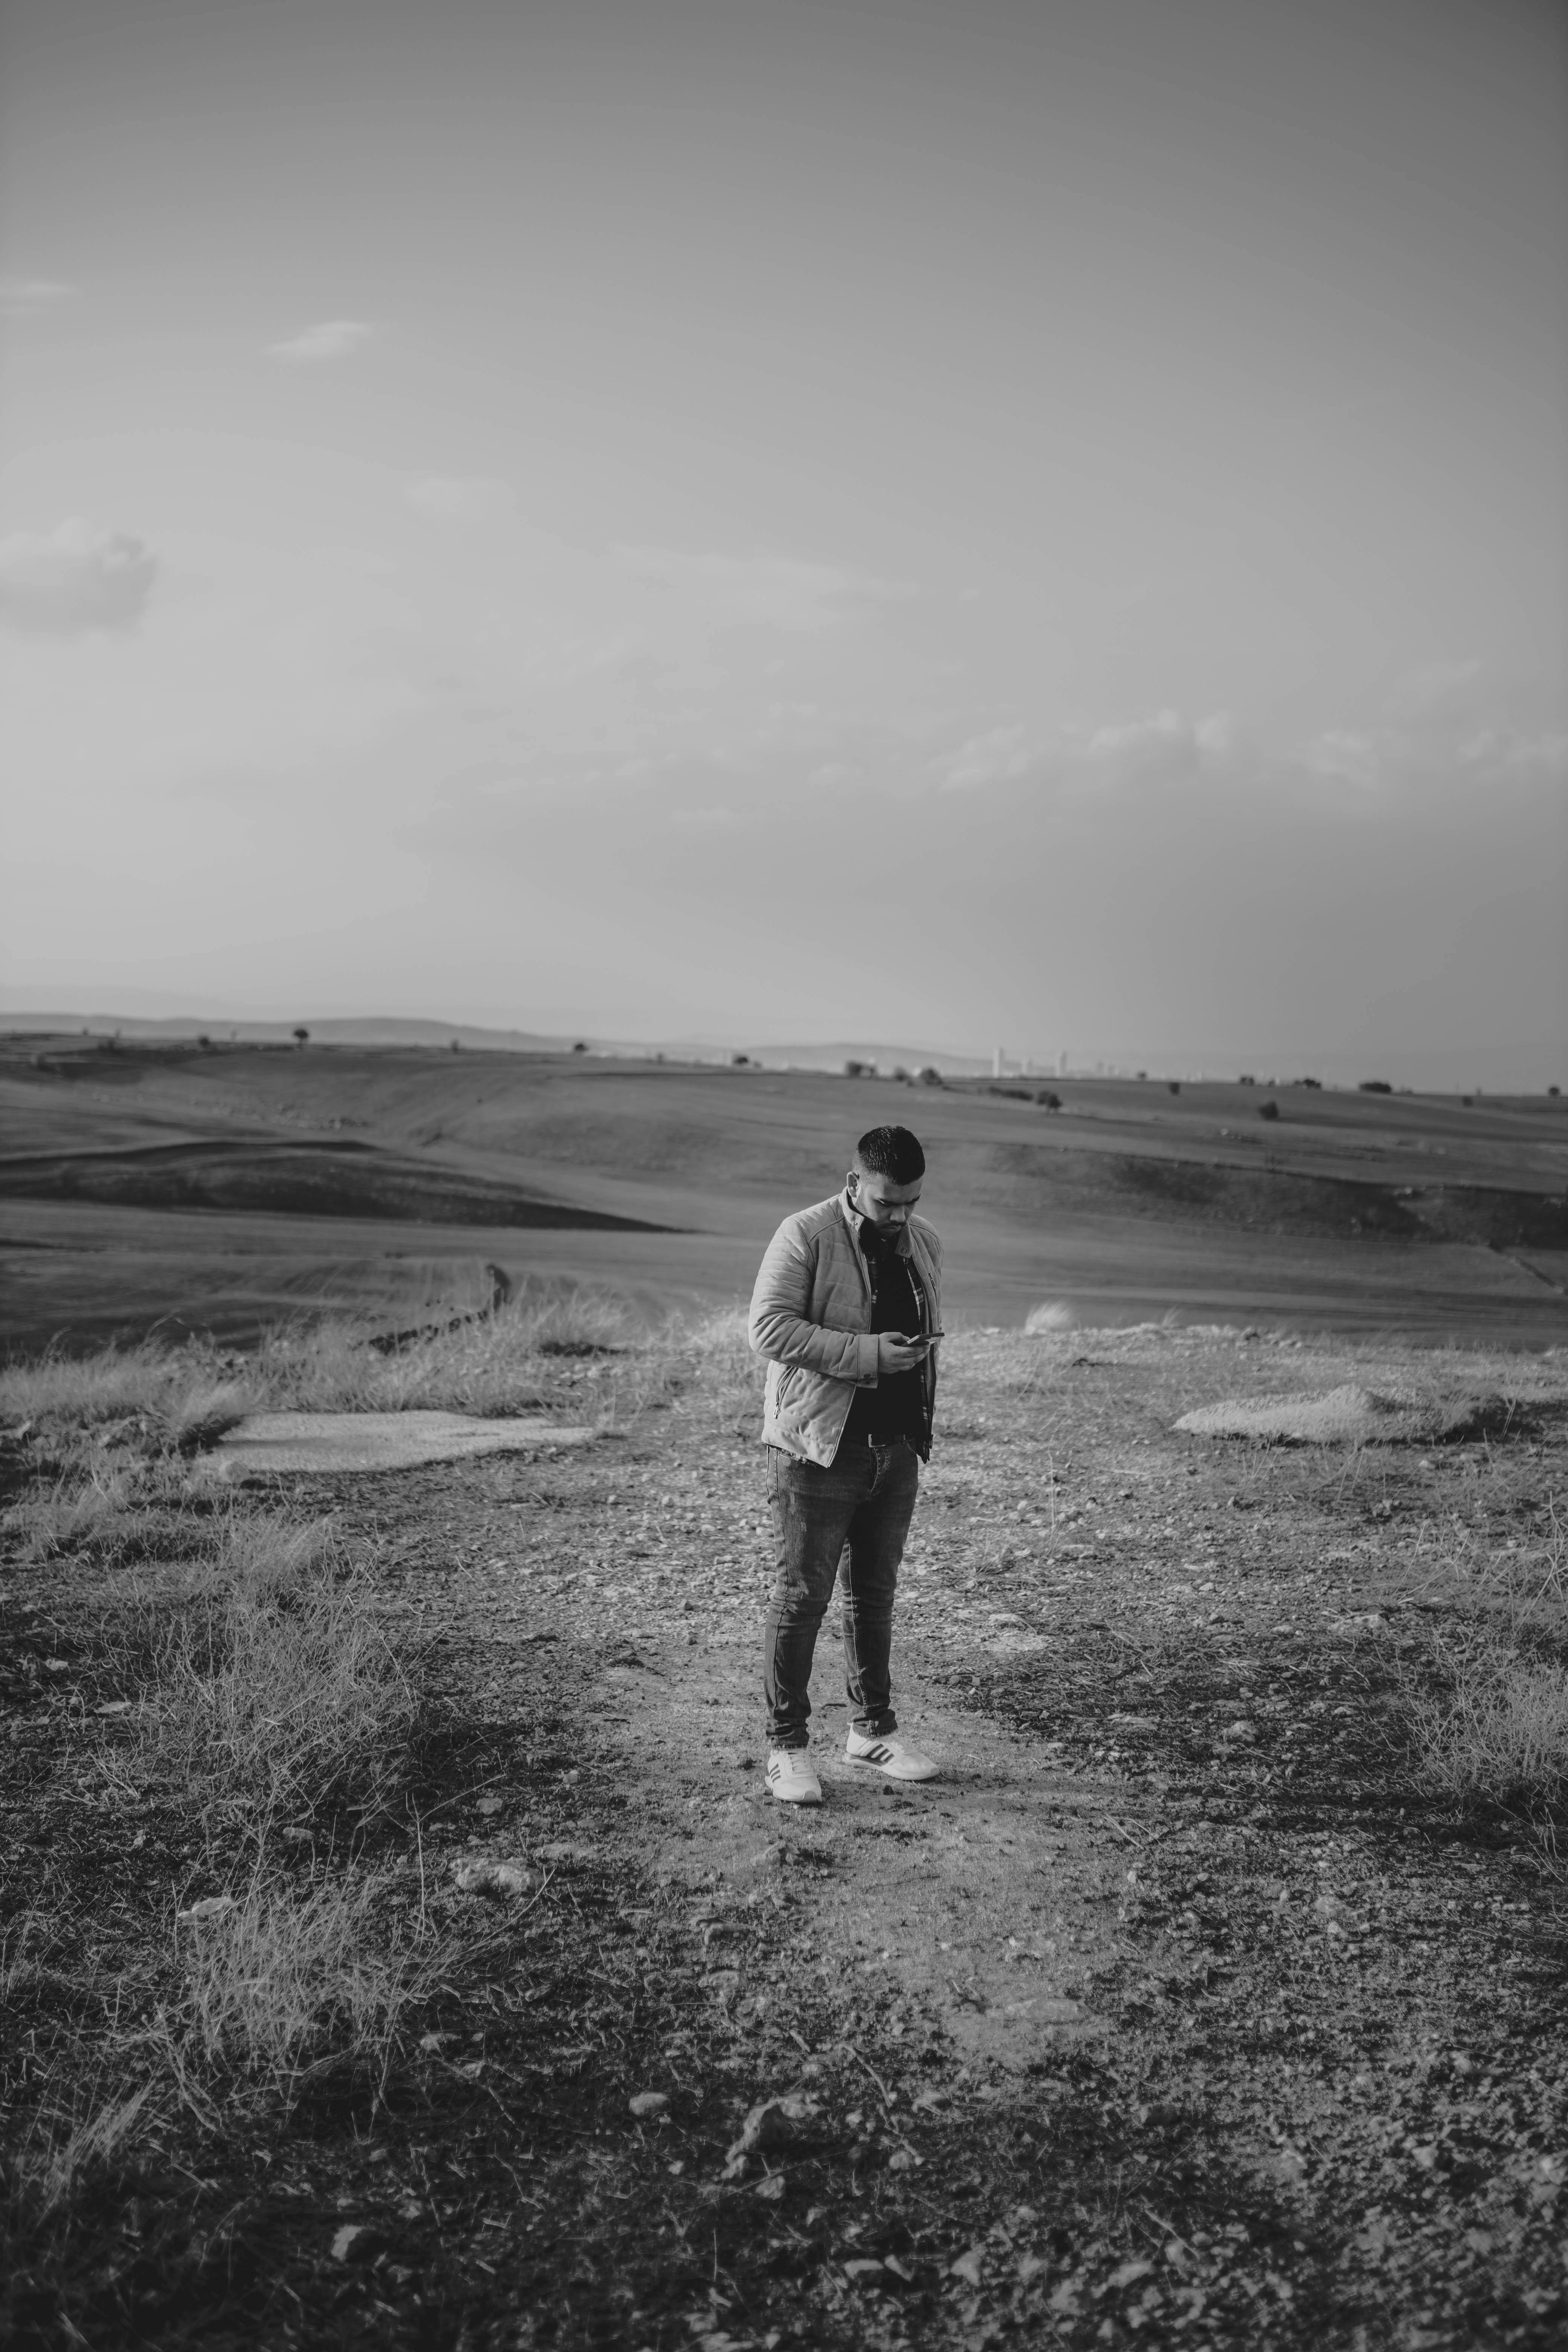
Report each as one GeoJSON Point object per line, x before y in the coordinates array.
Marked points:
{"type": "Point", "coordinates": [1499, 1732]}
{"type": "Point", "coordinates": [724, 1368]}
{"type": "Point", "coordinates": [287, 1986]}
{"type": "Point", "coordinates": [76, 1514]}
{"type": "Point", "coordinates": [67, 2149]}
{"type": "Point", "coordinates": [268, 1687]}
{"type": "Point", "coordinates": [497, 1364]}
{"type": "Point", "coordinates": [169, 1399]}
{"type": "Point", "coordinates": [1496, 1728]}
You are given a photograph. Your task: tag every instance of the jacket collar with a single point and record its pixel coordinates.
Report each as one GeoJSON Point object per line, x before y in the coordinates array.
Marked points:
{"type": "Point", "coordinates": [854, 1219]}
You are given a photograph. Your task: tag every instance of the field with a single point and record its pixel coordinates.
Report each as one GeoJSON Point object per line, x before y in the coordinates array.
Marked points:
{"type": "Point", "coordinates": [224, 1189]}
{"type": "Point", "coordinates": [402, 1948]}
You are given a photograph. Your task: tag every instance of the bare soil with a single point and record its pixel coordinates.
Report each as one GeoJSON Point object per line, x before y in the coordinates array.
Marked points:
{"type": "Point", "coordinates": [1176, 2012]}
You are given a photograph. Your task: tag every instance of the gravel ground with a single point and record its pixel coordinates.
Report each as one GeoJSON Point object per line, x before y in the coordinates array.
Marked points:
{"type": "Point", "coordinates": [1179, 2010]}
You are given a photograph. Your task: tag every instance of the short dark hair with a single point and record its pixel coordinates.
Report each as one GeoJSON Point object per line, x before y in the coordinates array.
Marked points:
{"type": "Point", "coordinates": [893, 1152]}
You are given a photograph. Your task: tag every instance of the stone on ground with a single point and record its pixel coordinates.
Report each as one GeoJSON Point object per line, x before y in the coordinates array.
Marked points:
{"type": "Point", "coordinates": [1352, 1415]}
{"type": "Point", "coordinates": [266, 1442]}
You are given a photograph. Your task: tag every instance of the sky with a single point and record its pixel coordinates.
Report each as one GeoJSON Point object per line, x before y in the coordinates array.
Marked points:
{"type": "Point", "coordinates": [1037, 523]}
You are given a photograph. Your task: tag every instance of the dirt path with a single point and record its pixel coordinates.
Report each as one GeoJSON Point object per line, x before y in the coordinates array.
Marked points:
{"type": "Point", "coordinates": [980, 1898]}
{"type": "Point", "coordinates": [1146, 1979]}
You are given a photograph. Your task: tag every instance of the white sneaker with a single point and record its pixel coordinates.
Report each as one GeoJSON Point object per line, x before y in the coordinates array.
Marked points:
{"type": "Point", "coordinates": [891, 1755]}
{"type": "Point", "coordinates": [790, 1777]}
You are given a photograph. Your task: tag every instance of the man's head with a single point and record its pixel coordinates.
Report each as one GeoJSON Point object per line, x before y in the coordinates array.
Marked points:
{"type": "Point", "coordinates": [885, 1181]}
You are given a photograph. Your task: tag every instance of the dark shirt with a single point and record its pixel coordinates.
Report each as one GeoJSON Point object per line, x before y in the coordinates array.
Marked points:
{"type": "Point", "coordinates": [895, 1408]}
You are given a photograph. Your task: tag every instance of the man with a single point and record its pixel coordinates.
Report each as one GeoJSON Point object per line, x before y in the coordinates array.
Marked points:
{"type": "Point", "coordinates": [847, 1310]}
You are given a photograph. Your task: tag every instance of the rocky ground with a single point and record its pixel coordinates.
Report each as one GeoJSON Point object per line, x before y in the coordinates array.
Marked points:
{"type": "Point", "coordinates": [1181, 2010]}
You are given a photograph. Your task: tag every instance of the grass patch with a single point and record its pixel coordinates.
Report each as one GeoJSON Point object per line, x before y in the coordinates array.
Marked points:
{"type": "Point", "coordinates": [511, 1360]}
{"type": "Point", "coordinates": [1497, 1732]}
{"type": "Point", "coordinates": [165, 1399]}
{"type": "Point", "coordinates": [292, 1985]}
{"type": "Point", "coordinates": [266, 1687]}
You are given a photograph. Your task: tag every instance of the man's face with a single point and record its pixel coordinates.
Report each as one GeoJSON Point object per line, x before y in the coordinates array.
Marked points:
{"type": "Point", "coordinates": [881, 1202]}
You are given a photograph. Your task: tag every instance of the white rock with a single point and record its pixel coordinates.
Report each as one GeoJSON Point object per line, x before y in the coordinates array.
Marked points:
{"type": "Point", "coordinates": [211, 1906]}
{"type": "Point", "coordinates": [500, 1878]}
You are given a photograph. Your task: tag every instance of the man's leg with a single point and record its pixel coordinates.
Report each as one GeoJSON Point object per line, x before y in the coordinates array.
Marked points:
{"type": "Point", "coordinates": [869, 1578]}
{"type": "Point", "coordinates": [812, 1510]}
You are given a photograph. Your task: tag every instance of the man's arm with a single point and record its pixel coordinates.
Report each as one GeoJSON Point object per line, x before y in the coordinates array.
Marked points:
{"type": "Point", "coordinates": [779, 1329]}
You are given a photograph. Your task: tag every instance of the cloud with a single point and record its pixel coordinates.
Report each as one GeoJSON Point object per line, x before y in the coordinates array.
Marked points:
{"type": "Point", "coordinates": [995, 758]}
{"type": "Point", "coordinates": [73, 579]}
{"type": "Point", "coordinates": [460, 498]}
{"type": "Point", "coordinates": [762, 591]}
{"type": "Point", "coordinates": [333, 339]}
{"type": "Point", "coordinates": [1504, 752]}
{"type": "Point", "coordinates": [20, 294]}
{"type": "Point", "coordinates": [1351, 755]}
{"type": "Point", "coordinates": [1166, 747]}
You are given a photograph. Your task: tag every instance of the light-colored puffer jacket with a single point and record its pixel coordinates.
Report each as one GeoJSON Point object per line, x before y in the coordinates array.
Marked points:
{"type": "Point", "coordinates": [811, 1318]}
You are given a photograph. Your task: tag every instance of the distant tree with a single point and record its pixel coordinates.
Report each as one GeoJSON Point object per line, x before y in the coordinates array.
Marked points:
{"type": "Point", "coordinates": [456, 1045]}
{"type": "Point", "coordinates": [1316, 1084]}
{"type": "Point", "coordinates": [741, 1061]}
{"type": "Point", "coordinates": [1268, 1111]}
{"type": "Point", "coordinates": [859, 1070]}
{"type": "Point", "coordinates": [204, 1043]}
{"type": "Point", "coordinates": [1142, 1074]}
{"type": "Point", "coordinates": [1047, 1100]}
{"type": "Point", "coordinates": [900, 1074]}
{"type": "Point", "coordinates": [301, 1036]}
{"type": "Point", "coordinates": [579, 1047]}
{"type": "Point", "coordinates": [1375, 1086]}
{"type": "Point", "coordinates": [1554, 1090]}
{"type": "Point", "coordinates": [1173, 1086]}
{"type": "Point", "coordinates": [1247, 1079]}
{"type": "Point", "coordinates": [928, 1075]}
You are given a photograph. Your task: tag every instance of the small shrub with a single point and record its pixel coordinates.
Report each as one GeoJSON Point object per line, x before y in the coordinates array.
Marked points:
{"type": "Point", "coordinates": [1375, 1086]}
{"type": "Point", "coordinates": [1270, 1109]}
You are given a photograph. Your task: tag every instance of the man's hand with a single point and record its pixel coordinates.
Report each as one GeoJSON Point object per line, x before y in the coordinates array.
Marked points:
{"type": "Point", "coordinates": [897, 1354]}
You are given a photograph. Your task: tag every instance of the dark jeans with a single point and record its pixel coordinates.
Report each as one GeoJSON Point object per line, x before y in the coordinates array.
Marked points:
{"type": "Point", "coordinates": [851, 1518]}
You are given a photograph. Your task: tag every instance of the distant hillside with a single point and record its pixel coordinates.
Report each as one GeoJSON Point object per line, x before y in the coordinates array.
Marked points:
{"type": "Point", "coordinates": [383, 1030]}
{"type": "Point", "coordinates": [372, 1031]}
{"type": "Point", "coordinates": [886, 1058]}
